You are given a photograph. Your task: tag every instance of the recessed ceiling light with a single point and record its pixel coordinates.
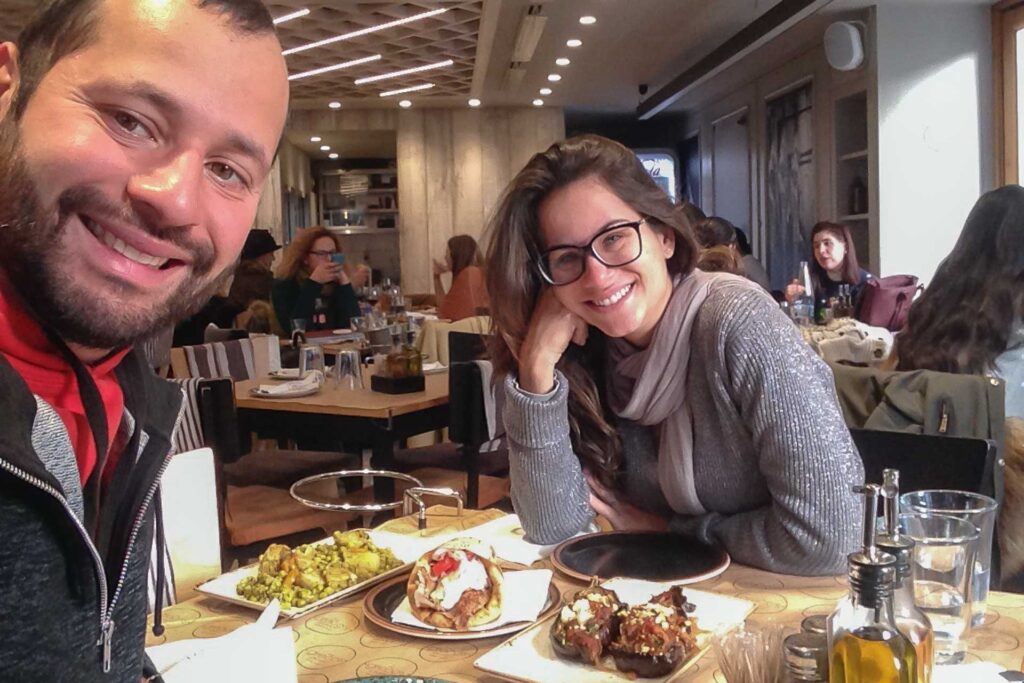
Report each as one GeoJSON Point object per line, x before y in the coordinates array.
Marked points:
{"type": "Point", "coordinates": [325, 148]}
{"type": "Point", "coordinates": [573, 42]}
{"type": "Point", "coordinates": [334, 105]}
{"type": "Point", "coordinates": [289, 17]}
{"type": "Point", "coordinates": [588, 20]}
{"type": "Point", "coordinates": [554, 78]}
{"type": "Point", "coordinates": [333, 155]}
{"type": "Point", "coordinates": [538, 102]}
{"type": "Point", "coordinates": [364, 31]}
{"type": "Point", "coordinates": [405, 72]}
{"type": "Point", "coordinates": [545, 91]}
{"type": "Point", "coordinates": [402, 91]}
{"type": "Point", "coordinates": [315, 138]}
{"type": "Point", "coordinates": [405, 104]}
{"type": "Point", "coordinates": [562, 61]}
{"type": "Point", "coordinates": [474, 102]}
{"type": "Point", "coordinates": [333, 67]}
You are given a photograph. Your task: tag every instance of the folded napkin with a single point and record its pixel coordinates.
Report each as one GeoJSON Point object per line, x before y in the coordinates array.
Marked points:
{"type": "Point", "coordinates": [504, 534]}
{"type": "Point", "coordinates": [523, 596]}
{"type": "Point", "coordinates": [312, 380]}
{"type": "Point", "coordinates": [254, 653]}
{"type": "Point", "coordinates": [435, 366]}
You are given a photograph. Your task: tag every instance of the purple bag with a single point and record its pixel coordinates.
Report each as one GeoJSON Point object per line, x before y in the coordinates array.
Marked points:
{"type": "Point", "coordinates": [885, 301]}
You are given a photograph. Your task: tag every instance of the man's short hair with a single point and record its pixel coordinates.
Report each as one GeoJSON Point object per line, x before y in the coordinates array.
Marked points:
{"type": "Point", "coordinates": [61, 27]}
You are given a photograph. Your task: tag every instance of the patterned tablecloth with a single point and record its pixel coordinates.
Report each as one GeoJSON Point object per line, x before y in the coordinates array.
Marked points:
{"type": "Point", "coordinates": [338, 643]}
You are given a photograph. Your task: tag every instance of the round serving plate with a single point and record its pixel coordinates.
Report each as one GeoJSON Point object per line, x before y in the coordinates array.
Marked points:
{"type": "Point", "coordinates": [647, 555]}
{"type": "Point", "coordinates": [380, 603]}
{"type": "Point", "coordinates": [291, 394]}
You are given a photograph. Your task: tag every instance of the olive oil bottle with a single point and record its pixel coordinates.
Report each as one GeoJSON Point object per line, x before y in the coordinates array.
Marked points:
{"type": "Point", "coordinates": [864, 643]}
{"type": "Point", "coordinates": [909, 618]}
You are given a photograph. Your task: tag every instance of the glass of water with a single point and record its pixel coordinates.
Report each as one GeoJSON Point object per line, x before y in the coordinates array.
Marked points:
{"type": "Point", "coordinates": [975, 508]}
{"type": "Point", "coordinates": [944, 551]}
{"type": "Point", "coordinates": [311, 358]}
{"type": "Point", "coordinates": [348, 370]}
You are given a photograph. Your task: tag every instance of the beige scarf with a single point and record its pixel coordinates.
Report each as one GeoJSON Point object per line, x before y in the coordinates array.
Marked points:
{"type": "Point", "coordinates": [649, 385]}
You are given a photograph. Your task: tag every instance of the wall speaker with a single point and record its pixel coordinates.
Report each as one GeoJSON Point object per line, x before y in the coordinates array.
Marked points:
{"type": "Point", "coordinates": [844, 46]}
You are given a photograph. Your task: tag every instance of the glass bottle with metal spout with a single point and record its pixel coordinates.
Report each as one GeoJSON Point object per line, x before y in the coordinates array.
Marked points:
{"type": "Point", "coordinates": [864, 643]}
{"type": "Point", "coordinates": [909, 618]}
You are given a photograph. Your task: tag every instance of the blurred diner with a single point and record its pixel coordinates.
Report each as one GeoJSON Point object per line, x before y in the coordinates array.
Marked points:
{"type": "Point", "coordinates": [834, 263]}
{"type": "Point", "coordinates": [468, 293]}
{"type": "Point", "coordinates": [312, 281]}
{"type": "Point", "coordinates": [648, 392]}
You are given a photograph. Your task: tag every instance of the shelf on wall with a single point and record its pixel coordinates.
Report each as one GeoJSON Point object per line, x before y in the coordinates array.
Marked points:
{"type": "Point", "coordinates": [380, 190]}
{"type": "Point", "coordinates": [854, 217]}
{"type": "Point", "coordinates": [853, 156]}
{"type": "Point", "coordinates": [380, 211]}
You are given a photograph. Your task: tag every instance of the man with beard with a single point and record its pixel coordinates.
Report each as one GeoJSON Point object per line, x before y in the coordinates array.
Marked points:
{"type": "Point", "coordinates": [135, 136]}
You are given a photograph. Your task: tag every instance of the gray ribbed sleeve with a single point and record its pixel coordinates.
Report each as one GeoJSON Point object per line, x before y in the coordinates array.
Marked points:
{"type": "Point", "coordinates": [773, 460]}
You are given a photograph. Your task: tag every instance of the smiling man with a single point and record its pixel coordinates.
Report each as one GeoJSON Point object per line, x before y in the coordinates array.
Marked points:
{"type": "Point", "coordinates": [135, 137]}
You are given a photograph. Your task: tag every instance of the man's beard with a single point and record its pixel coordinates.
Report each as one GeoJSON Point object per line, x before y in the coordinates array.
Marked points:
{"type": "Point", "coordinates": [33, 256]}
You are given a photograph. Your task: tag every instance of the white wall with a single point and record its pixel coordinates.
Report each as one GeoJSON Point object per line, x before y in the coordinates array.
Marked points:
{"type": "Point", "coordinates": [934, 66]}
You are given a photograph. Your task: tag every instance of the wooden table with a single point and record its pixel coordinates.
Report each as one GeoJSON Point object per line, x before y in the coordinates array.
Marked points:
{"type": "Point", "coordinates": [337, 642]}
{"type": "Point", "coordinates": [361, 416]}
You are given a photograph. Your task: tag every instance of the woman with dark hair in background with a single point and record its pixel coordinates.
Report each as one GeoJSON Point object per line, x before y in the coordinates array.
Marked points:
{"type": "Point", "coordinates": [651, 393]}
{"type": "Point", "coordinates": [970, 319]}
{"type": "Point", "coordinates": [752, 268]}
{"type": "Point", "coordinates": [716, 232]}
{"type": "Point", "coordinates": [834, 264]}
{"type": "Point", "coordinates": [309, 271]}
{"type": "Point", "coordinates": [468, 294]}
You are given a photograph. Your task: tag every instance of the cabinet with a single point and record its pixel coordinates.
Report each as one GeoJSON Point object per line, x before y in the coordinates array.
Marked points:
{"type": "Point", "coordinates": [360, 201]}
{"type": "Point", "coordinates": [852, 172]}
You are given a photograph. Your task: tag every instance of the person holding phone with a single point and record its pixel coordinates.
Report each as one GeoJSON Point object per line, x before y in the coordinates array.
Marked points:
{"type": "Point", "coordinates": [649, 392]}
{"type": "Point", "coordinates": [313, 267]}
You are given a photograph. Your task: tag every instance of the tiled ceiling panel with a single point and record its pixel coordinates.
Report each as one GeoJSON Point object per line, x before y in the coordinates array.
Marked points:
{"type": "Point", "coordinates": [451, 35]}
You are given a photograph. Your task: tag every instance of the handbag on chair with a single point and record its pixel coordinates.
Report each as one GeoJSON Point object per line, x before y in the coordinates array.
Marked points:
{"type": "Point", "coordinates": [885, 301]}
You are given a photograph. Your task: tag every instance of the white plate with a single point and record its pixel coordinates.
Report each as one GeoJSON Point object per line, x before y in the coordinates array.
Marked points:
{"type": "Point", "coordinates": [305, 391]}
{"type": "Point", "coordinates": [223, 587]}
{"type": "Point", "coordinates": [529, 657]}
{"type": "Point", "coordinates": [434, 368]}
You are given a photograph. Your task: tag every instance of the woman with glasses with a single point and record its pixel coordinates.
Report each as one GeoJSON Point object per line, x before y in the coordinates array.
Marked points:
{"type": "Point", "coordinates": [468, 294]}
{"type": "Point", "coordinates": [835, 263]}
{"type": "Point", "coordinates": [312, 268]}
{"type": "Point", "coordinates": [651, 393]}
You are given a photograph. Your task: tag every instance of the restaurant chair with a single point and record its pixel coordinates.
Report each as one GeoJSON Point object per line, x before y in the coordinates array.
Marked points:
{"type": "Point", "coordinates": [251, 517]}
{"type": "Point", "coordinates": [267, 463]}
{"type": "Point", "coordinates": [432, 341]}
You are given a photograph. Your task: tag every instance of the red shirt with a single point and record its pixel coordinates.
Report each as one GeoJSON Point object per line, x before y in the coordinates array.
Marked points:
{"type": "Point", "coordinates": [51, 377]}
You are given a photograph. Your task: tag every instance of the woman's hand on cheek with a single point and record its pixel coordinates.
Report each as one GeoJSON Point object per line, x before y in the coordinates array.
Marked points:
{"type": "Point", "coordinates": [552, 328]}
{"type": "Point", "coordinates": [622, 515]}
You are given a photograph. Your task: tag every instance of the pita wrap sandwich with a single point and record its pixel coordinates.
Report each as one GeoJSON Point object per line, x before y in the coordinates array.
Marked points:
{"type": "Point", "coordinates": [456, 586]}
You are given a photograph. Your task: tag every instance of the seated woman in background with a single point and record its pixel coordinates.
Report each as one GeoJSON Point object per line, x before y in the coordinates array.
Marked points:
{"type": "Point", "coordinates": [362, 275]}
{"type": "Point", "coordinates": [307, 273]}
{"type": "Point", "coordinates": [834, 264]}
{"type": "Point", "coordinates": [752, 268]}
{"type": "Point", "coordinates": [468, 295]}
{"type": "Point", "coordinates": [717, 233]}
{"type": "Point", "coordinates": [719, 259]}
{"type": "Point", "coordinates": [970, 319]}
{"type": "Point", "coordinates": [656, 395]}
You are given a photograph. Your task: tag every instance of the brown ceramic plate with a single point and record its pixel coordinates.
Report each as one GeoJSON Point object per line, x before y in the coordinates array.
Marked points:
{"type": "Point", "coordinates": [380, 602]}
{"type": "Point", "coordinates": [647, 555]}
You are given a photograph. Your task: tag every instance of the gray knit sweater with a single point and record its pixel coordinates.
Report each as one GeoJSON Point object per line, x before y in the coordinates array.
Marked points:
{"type": "Point", "coordinates": [773, 460]}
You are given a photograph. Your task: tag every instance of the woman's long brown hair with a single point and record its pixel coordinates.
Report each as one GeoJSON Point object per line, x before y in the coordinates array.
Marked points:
{"type": "Point", "coordinates": [293, 262]}
{"type": "Point", "coordinates": [514, 283]}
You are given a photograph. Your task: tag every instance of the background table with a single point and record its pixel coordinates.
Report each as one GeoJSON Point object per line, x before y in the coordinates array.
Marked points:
{"type": "Point", "coordinates": [337, 642]}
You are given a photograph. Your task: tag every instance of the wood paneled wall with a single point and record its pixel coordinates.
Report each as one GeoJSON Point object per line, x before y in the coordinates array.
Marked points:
{"type": "Point", "coordinates": [453, 165]}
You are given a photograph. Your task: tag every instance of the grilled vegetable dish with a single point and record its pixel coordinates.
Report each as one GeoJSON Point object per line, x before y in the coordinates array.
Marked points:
{"type": "Point", "coordinates": [654, 637]}
{"type": "Point", "coordinates": [300, 576]}
{"type": "Point", "coordinates": [587, 624]}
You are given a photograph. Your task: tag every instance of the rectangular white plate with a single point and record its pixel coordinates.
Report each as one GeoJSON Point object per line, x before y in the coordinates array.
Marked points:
{"type": "Point", "coordinates": [223, 587]}
{"type": "Point", "coordinates": [529, 657]}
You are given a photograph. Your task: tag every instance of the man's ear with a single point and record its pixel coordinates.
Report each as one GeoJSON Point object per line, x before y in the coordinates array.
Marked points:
{"type": "Point", "coordinates": [10, 77]}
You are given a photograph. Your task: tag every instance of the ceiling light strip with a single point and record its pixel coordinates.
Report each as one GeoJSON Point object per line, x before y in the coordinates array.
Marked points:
{"type": "Point", "coordinates": [425, 86]}
{"type": "Point", "coordinates": [289, 17]}
{"type": "Point", "coordinates": [333, 67]}
{"type": "Point", "coordinates": [364, 31]}
{"type": "Point", "coordinates": [405, 72]}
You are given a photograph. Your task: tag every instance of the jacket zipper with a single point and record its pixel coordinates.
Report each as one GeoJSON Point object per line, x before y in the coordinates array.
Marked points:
{"type": "Point", "coordinates": [106, 611]}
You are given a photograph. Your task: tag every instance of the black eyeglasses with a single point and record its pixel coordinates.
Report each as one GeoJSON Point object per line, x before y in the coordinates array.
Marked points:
{"type": "Point", "coordinates": [614, 246]}
{"type": "Point", "coordinates": [322, 252]}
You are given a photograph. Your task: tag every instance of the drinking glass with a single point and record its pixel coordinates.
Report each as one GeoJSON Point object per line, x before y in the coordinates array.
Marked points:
{"type": "Point", "coordinates": [348, 371]}
{"type": "Point", "coordinates": [944, 552]}
{"type": "Point", "coordinates": [975, 508]}
{"type": "Point", "coordinates": [299, 324]}
{"type": "Point", "coordinates": [311, 358]}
